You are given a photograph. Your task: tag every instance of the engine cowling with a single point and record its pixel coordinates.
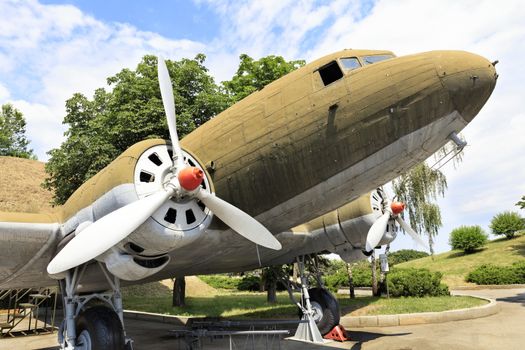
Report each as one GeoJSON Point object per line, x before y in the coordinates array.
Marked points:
{"type": "Point", "coordinates": [174, 225]}
{"type": "Point", "coordinates": [347, 227]}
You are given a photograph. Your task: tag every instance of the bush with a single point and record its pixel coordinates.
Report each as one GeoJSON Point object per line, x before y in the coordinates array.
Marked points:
{"type": "Point", "coordinates": [221, 281]}
{"type": "Point", "coordinates": [362, 276]}
{"type": "Point", "coordinates": [467, 238]}
{"type": "Point", "coordinates": [507, 223]}
{"type": "Point", "coordinates": [416, 283]}
{"type": "Point", "coordinates": [492, 274]}
{"type": "Point", "coordinates": [405, 255]}
{"type": "Point", "coordinates": [249, 283]}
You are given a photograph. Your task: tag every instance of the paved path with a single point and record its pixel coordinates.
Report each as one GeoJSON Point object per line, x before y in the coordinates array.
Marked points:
{"type": "Point", "coordinates": [505, 330]}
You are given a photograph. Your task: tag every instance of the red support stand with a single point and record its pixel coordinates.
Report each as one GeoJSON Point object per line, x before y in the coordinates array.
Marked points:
{"type": "Point", "coordinates": [337, 333]}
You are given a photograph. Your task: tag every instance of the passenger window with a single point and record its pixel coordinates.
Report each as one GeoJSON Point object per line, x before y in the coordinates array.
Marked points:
{"type": "Point", "coordinates": [350, 63]}
{"type": "Point", "coordinates": [330, 73]}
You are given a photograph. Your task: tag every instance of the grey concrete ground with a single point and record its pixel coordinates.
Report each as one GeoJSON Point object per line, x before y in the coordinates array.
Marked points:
{"type": "Point", "coordinates": [505, 330]}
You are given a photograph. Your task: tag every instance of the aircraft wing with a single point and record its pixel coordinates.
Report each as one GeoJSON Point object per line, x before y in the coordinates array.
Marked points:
{"type": "Point", "coordinates": [27, 243]}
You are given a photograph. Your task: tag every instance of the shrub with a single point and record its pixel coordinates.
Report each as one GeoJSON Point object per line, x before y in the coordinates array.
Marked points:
{"type": "Point", "coordinates": [492, 274]}
{"type": "Point", "coordinates": [250, 283]}
{"type": "Point", "coordinates": [519, 269]}
{"type": "Point", "coordinates": [404, 255]}
{"type": "Point", "coordinates": [416, 283]}
{"type": "Point", "coordinates": [467, 238]}
{"type": "Point", "coordinates": [362, 277]}
{"type": "Point", "coordinates": [507, 223]}
{"type": "Point", "coordinates": [221, 281]}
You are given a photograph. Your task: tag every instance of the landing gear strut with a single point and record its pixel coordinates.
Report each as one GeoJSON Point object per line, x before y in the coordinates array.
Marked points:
{"type": "Point", "coordinates": [318, 308]}
{"type": "Point", "coordinates": [92, 321]}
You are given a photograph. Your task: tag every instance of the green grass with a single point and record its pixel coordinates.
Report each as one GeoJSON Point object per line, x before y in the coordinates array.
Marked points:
{"type": "Point", "coordinates": [253, 305]}
{"type": "Point", "coordinates": [237, 305]}
{"type": "Point", "coordinates": [383, 306]}
{"type": "Point", "coordinates": [455, 265]}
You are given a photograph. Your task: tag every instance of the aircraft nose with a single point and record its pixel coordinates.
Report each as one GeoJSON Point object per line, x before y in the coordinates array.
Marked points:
{"type": "Point", "coordinates": [469, 79]}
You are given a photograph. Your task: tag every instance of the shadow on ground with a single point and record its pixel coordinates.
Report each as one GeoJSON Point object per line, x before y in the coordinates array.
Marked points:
{"type": "Point", "coordinates": [517, 299]}
{"type": "Point", "coordinates": [518, 248]}
{"type": "Point", "coordinates": [363, 337]}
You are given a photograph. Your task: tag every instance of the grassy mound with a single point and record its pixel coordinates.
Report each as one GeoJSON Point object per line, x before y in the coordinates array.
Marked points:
{"type": "Point", "coordinates": [455, 265]}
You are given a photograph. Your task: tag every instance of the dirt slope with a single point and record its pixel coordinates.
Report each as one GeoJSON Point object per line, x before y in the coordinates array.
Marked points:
{"type": "Point", "coordinates": [20, 189]}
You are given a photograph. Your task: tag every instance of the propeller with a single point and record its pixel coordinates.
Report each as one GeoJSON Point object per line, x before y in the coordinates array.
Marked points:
{"type": "Point", "coordinates": [379, 227]}
{"type": "Point", "coordinates": [117, 225]}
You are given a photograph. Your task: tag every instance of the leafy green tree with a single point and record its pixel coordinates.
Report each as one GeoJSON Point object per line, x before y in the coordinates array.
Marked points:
{"type": "Point", "coordinates": [13, 141]}
{"type": "Point", "coordinates": [405, 255]}
{"type": "Point", "coordinates": [468, 238]}
{"type": "Point", "coordinates": [254, 75]}
{"type": "Point", "coordinates": [507, 223]}
{"type": "Point", "coordinates": [103, 127]}
{"type": "Point", "coordinates": [521, 203]}
{"type": "Point", "coordinates": [417, 189]}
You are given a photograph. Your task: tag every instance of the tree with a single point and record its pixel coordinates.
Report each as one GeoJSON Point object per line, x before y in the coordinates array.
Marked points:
{"type": "Point", "coordinates": [405, 255]}
{"type": "Point", "coordinates": [351, 286]}
{"type": "Point", "coordinates": [521, 203]}
{"type": "Point", "coordinates": [254, 75]}
{"type": "Point", "coordinates": [269, 278]}
{"type": "Point", "coordinates": [507, 223]}
{"type": "Point", "coordinates": [420, 186]}
{"type": "Point", "coordinates": [468, 238]}
{"type": "Point", "coordinates": [105, 126]}
{"type": "Point", "coordinates": [417, 189]}
{"type": "Point", "coordinates": [13, 141]}
{"type": "Point", "coordinates": [179, 292]}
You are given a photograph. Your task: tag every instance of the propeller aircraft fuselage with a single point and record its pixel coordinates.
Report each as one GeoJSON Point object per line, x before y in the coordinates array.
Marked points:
{"type": "Point", "coordinates": [300, 156]}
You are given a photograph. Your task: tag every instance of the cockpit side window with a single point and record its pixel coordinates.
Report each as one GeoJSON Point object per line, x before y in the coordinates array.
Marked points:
{"type": "Point", "coordinates": [330, 73]}
{"type": "Point", "coordinates": [350, 63]}
{"type": "Point", "coordinates": [375, 58]}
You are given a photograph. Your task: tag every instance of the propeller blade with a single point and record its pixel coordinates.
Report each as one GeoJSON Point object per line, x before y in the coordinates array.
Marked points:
{"type": "Point", "coordinates": [239, 221]}
{"type": "Point", "coordinates": [411, 232]}
{"type": "Point", "coordinates": [376, 232]}
{"type": "Point", "coordinates": [106, 232]}
{"type": "Point", "coordinates": [166, 91]}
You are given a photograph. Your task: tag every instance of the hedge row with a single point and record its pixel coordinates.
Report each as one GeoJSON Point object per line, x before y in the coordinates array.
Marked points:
{"type": "Point", "coordinates": [401, 281]}
{"type": "Point", "coordinates": [493, 274]}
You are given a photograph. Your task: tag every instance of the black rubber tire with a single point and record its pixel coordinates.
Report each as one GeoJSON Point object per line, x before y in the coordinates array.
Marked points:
{"type": "Point", "coordinates": [103, 326]}
{"type": "Point", "coordinates": [330, 308]}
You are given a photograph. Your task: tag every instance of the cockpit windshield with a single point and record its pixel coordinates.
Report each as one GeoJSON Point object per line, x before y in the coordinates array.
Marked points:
{"type": "Point", "coordinates": [375, 58]}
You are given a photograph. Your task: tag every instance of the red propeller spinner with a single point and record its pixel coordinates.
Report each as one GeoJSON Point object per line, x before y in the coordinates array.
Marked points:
{"type": "Point", "coordinates": [397, 207]}
{"type": "Point", "coordinates": [190, 178]}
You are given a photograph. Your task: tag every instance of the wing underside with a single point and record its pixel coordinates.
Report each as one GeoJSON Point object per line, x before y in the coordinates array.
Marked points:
{"type": "Point", "coordinates": [25, 250]}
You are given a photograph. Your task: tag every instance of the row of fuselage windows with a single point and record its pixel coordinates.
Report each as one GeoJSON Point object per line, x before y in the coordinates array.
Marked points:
{"type": "Point", "coordinates": [332, 72]}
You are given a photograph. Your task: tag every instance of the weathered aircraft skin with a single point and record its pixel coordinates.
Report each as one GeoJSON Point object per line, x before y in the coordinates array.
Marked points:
{"type": "Point", "coordinates": [286, 155]}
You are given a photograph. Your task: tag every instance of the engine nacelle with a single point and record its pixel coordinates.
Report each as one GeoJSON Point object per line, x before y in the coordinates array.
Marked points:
{"type": "Point", "coordinates": [176, 223]}
{"type": "Point", "coordinates": [347, 227]}
{"type": "Point", "coordinates": [131, 268]}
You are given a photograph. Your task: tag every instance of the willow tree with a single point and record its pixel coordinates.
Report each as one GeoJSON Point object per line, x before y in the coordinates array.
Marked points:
{"type": "Point", "coordinates": [521, 203]}
{"type": "Point", "coordinates": [420, 188]}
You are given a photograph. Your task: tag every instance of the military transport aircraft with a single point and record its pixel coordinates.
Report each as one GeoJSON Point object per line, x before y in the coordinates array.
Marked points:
{"type": "Point", "coordinates": [258, 185]}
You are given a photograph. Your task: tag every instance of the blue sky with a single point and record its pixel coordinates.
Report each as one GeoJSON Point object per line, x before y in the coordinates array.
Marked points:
{"type": "Point", "coordinates": [52, 49]}
{"type": "Point", "coordinates": [170, 18]}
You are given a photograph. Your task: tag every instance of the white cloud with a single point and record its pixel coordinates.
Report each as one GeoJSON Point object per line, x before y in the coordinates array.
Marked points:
{"type": "Point", "coordinates": [4, 93]}
{"type": "Point", "coordinates": [62, 51]}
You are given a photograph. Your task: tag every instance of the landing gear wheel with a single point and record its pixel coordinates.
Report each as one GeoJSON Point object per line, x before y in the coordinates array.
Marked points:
{"type": "Point", "coordinates": [326, 309]}
{"type": "Point", "coordinates": [99, 328]}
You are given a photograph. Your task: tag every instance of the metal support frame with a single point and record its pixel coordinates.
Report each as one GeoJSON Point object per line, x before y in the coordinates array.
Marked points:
{"type": "Point", "coordinates": [307, 330]}
{"type": "Point", "coordinates": [75, 303]}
